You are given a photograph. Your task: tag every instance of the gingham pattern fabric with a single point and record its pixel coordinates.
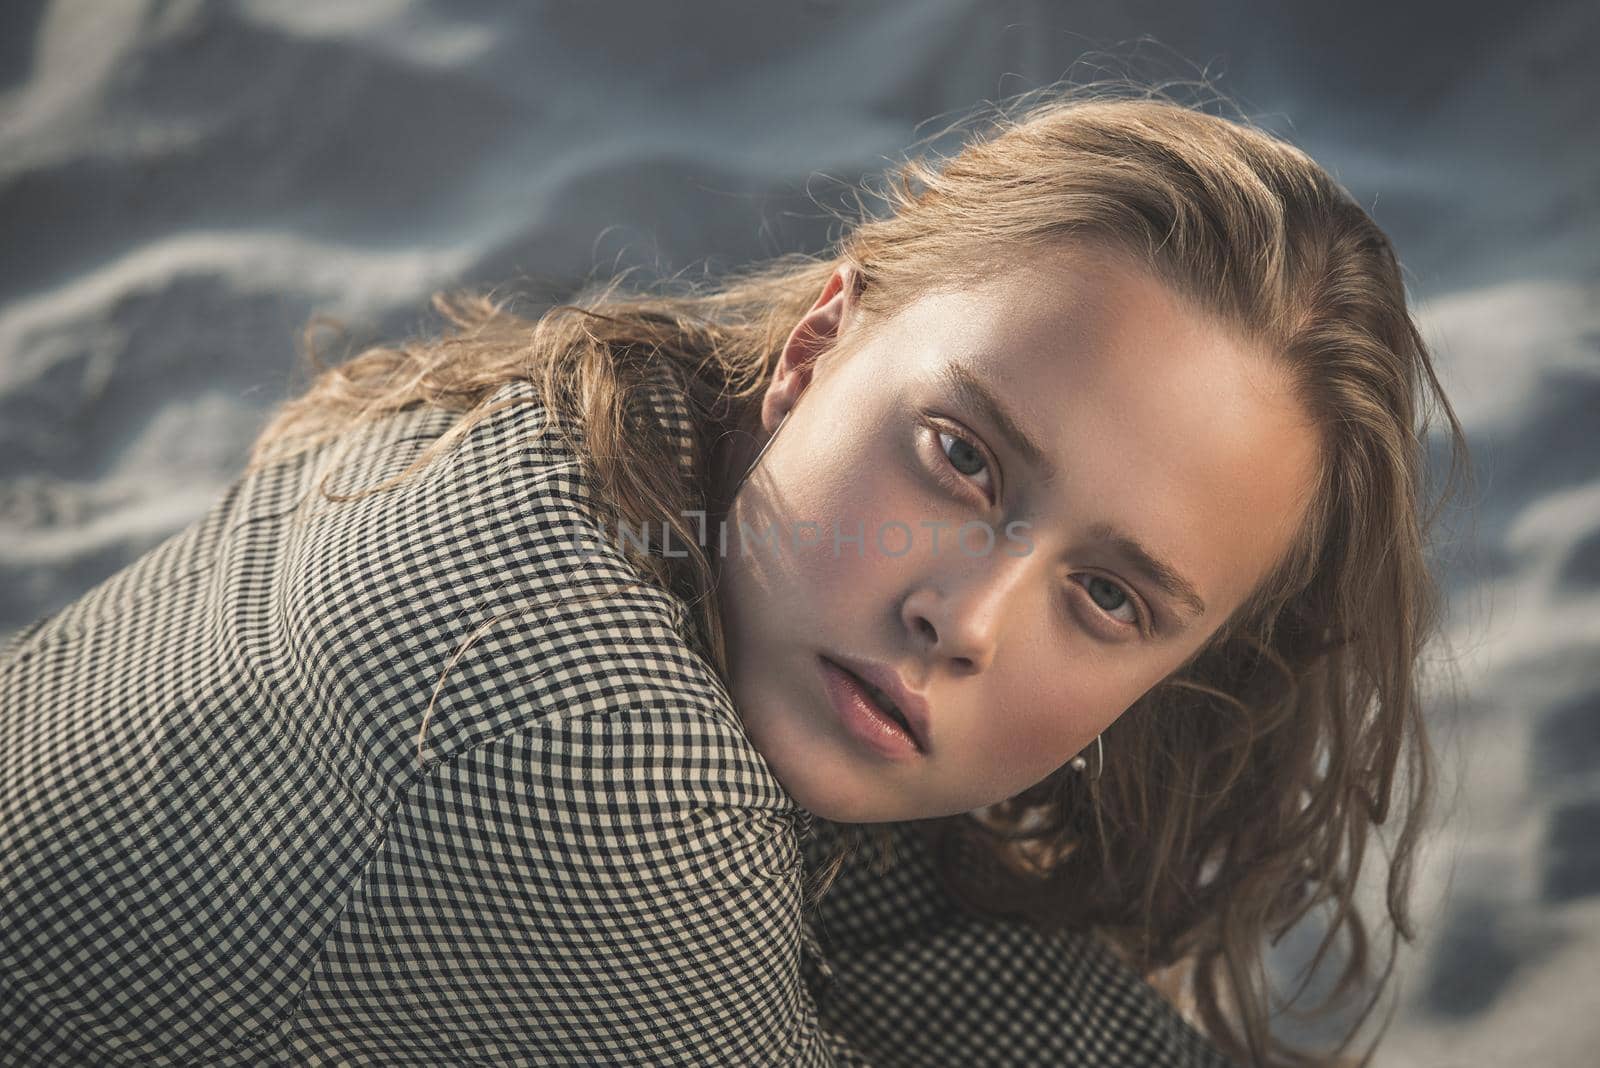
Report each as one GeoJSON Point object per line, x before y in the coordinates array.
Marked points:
{"type": "Point", "coordinates": [220, 844]}
{"type": "Point", "coordinates": [915, 979]}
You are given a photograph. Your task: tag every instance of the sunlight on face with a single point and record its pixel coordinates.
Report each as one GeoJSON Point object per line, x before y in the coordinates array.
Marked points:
{"type": "Point", "coordinates": [991, 571]}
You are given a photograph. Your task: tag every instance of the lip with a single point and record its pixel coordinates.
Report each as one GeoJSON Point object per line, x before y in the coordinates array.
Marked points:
{"type": "Point", "coordinates": [912, 705]}
{"type": "Point", "coordinates": [862, 717]}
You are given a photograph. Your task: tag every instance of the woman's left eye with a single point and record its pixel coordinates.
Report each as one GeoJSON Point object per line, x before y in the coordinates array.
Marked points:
{"type": "Point", "coordinates": [1117, 597]}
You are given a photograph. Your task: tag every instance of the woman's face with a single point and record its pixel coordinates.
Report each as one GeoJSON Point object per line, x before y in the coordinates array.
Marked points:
{"type": "Point", "coordinates": [982, 550]}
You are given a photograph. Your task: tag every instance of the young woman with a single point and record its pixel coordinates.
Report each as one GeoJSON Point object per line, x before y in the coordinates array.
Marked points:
{"type": "Point", "coordinates": [1063, 530]}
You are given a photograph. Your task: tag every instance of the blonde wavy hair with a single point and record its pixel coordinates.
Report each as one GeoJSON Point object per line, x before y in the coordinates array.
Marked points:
{"type": "Point", "coordinates": [1244, 791]}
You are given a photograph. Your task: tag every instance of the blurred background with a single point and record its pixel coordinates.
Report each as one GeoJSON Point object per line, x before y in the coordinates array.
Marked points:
{"type": "Point", "coordinates": [183, 185]}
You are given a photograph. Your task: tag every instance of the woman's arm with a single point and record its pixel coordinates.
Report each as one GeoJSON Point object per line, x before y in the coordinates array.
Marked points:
{"type": "Point", "coordinates": [580, 891]}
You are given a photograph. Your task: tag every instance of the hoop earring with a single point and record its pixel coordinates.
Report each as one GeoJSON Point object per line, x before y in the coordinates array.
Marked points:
{"type": "Point", "coordinates": [760, 453]}
{"type": "Point", "coordinates": [1080, 762]}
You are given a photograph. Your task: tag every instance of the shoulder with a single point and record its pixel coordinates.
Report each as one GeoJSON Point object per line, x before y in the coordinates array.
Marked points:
{"type": "Point", "coordinates": [620, 862]}
{"type": "Point", "coordinates": [485, 592]}
{"type": "Point", "coordinates": [655, 795]}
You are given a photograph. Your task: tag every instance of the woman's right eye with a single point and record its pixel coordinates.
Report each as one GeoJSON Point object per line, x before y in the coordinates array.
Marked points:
{"type": "Point", "coordinates": [962, 462]}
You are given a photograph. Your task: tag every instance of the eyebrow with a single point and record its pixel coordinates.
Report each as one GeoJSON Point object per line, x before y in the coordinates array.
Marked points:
{"type": "Point", "coordinates": [972, 392]}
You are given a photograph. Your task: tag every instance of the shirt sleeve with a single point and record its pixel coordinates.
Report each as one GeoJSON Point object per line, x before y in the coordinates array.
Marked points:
{"type": "Point", "coordinates": [586, 890]}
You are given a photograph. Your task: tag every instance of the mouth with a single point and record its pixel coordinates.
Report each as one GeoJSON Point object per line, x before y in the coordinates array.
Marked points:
{"type": "Point", "coordinates": [881, 702]}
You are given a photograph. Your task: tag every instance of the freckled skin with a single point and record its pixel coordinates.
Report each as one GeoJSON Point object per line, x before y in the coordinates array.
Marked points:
{"type": "Point", "coordinates": [1159, 418]}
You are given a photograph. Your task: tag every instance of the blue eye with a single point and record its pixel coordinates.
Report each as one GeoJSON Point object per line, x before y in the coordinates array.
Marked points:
{"type": "Point", "coordinates": [966, 459]}
{"type": "Point", "coordinates": [1118, 597]}
{"type": "Point", "coordinates": [963, 455]}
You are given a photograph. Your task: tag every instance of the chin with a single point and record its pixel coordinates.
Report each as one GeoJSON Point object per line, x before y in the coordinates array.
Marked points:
{"type": "Point", "coordinates": [826, 799]}
{"type": "Point", "coordinates": [834, 798]}
{"type": "Point", "coordinates": [853, 806]}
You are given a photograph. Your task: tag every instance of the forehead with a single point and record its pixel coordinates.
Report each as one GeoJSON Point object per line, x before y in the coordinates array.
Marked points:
{"type": "Point", "coordinates": [1060, 321]}
{"type": "Point", "coordinates": [1045, 299]}
{"type": "Point", "coordinates": [1158, 417]}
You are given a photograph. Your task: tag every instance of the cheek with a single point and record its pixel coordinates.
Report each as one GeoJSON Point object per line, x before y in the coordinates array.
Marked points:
{"type": "Point", "coordinates": [1042, 733]}
{"type": "Point", "coordinates": [1038, 740]}
{"type": "Point", "coordinates": [864, 529]}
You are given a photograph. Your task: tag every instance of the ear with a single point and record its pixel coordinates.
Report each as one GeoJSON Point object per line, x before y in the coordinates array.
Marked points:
{"type": "Point", "coordinates": [816, 332]}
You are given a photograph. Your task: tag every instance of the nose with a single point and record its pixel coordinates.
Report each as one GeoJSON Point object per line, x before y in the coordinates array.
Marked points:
{"type": "Point", "coordinates": [958, 614]}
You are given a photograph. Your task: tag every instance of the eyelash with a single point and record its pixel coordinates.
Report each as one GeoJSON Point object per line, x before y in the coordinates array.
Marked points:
{"type": "Point", "coordinates": [959, 482]}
